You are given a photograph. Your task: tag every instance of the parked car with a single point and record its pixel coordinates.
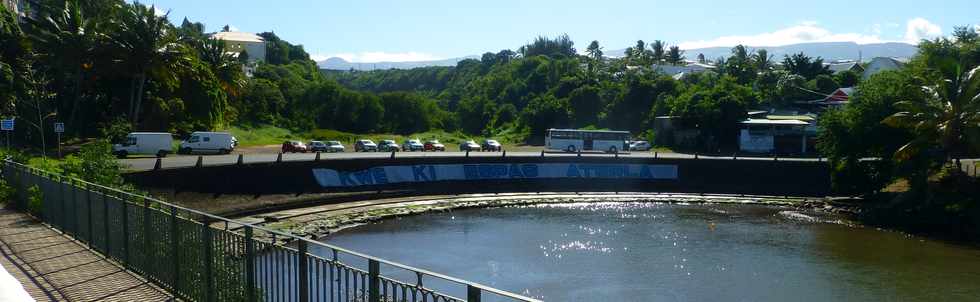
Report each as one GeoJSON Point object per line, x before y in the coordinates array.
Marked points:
{"type": "Point", "coordinates": [334, 146]}
{"type": "Point", "coordinates": [365, 145]}
{"type": "Point", "coordinates": [640, 146]}
{"type": "Point", "coordinates": [491, 145]}
{"type": "Point", "coordinates": [216, 142]}
{"type": "Point", "coordinates": [294, 147]}
{"type": "Point", "coordinates": [388, 145]}
{"type": "Point", "coordinates": [469, 146]}
{"type": "Point", "coordinates": [146, 143]}
{"type": "Point", "coordinates": [317, 146]}
{"type": "Point", "coordinates": [413, 145]}
{"type": "Point", "coordinates": [434, 145]}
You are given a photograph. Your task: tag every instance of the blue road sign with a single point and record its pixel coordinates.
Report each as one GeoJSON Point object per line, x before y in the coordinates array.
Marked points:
{"type": "Point", "coordinates": [59, 127]}
{"type": "Point", "coordinates": [7, 125]}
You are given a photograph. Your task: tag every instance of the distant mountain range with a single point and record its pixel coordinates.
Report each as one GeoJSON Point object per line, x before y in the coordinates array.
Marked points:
{"type": "Point", "coordinates": [829, 51]}
{"type": "Point", "coordinates": [336, 63]}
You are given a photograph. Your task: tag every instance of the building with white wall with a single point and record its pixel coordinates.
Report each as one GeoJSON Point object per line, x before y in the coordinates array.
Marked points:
{"type": "Point", "coordinates": [238, 42]}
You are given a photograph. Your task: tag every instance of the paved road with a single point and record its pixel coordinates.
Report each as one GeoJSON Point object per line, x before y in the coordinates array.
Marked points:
{"type": "Point", "coordinates": [178, 161]}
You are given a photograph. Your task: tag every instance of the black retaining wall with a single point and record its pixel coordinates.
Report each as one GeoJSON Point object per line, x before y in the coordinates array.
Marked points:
{"type": "Point", "coordinates": [761, 177]}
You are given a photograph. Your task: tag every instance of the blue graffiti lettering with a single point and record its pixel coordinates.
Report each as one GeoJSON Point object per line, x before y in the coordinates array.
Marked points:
{"type": "Point", "coordinates": [419, 173]}
{"type": "Point", "coordinates": [380, 176]}
{"type": "Point", "coordinates": [515, 171]}
{"type": "Point", "coordinates": [471, 171]}
{"type": "Point", "coordinates": [529, 171]}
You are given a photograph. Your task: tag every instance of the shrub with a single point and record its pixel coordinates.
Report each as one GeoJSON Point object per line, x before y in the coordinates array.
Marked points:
{"type": "Point", "coordinates": [35, 200]}
{"type": "Point", "coordinates": [6, 191]}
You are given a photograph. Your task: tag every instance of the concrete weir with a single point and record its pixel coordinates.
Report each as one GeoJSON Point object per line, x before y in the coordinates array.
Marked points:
{"type": "Point", "coordinates": [457, 175]}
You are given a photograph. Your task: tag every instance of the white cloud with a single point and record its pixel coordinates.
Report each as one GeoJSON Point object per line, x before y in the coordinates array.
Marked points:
{"type": "Point", "coordinates": [810, 31]}
{"type": "Point", "coordinates": [379, 56]}
{"type": "Point", "coordinates": [919, 28]}
{"type": "Point", "coordinates": [802, 33]}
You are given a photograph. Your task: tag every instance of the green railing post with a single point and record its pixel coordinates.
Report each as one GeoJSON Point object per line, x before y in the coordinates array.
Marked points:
{"type": "Point", "coordinates": [145, 254]}
{"type": "Point", "coordinates": [90, 238]}
{"type": "Point", "coordinates": [105, 224]}
{"type": "Point", "coordinates": [303, 278]}
{"type": "Point", "coordinates": [473, 293]}
{"type": "Point", "coordinates": [175, 249]}
{"type": "Point", "coordinates": [374, 281]}
{"type": "Point", "coordinates": [250, 265]}
{"type": "Point", "coordinates": [208, 263]}
{"type": "Point", "coordinates": [125, 231]}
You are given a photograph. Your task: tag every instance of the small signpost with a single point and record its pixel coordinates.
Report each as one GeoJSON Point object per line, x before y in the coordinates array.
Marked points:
{"type": "Point", "coordinates": [59, 128]}
{"type": "Point", "coordinates": [7, 126]}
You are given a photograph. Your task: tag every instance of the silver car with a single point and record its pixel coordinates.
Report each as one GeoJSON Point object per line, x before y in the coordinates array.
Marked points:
{"type": "Point", "coordinates": [334, 146]}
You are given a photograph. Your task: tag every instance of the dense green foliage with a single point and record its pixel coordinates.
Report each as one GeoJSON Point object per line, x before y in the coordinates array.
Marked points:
{"type": "Point", "coordinates": [914, 119]}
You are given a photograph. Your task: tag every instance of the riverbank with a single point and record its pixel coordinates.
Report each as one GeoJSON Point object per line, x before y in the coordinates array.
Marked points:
{"type": "Point", "coordinates": [318, 221]}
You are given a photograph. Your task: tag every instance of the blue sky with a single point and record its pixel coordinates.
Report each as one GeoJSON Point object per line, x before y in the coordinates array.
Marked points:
{"type": "Point", "coordinates": [409, 30]}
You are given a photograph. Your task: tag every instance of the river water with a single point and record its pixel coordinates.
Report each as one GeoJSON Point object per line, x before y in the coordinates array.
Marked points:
{"type": "Point", "coordinates": [673, 252]}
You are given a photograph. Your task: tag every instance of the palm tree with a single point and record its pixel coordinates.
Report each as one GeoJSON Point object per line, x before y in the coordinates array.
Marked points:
{"type": "Point", "coordinates": [594, 52]}
{"type": "Point", "coordinates": [658, 49]}
{"type": "Point", "coordinates": [68, 40]}
{"type": "Point", "coordinates": [223, 64]}
{"type": "Point", "coordinates": [149, 47]}
{"type": "Point", "coordinates": [674, 55]}
{"type": "Point", "coordinates": [762, 60]}
{"type": "Point", "coordinates": [950, 111]}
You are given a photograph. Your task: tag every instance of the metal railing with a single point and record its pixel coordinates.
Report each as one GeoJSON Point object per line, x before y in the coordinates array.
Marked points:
{"type": "Point", "coordinates": [183, 251]}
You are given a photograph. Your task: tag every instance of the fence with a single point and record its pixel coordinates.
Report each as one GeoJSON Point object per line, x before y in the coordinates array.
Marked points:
{"type": "Point", "coordinates": [194, 256]}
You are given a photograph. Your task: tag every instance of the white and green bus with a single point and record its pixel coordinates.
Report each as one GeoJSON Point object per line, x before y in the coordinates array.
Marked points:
{"type": "Point", "coordinates": [572, 140]}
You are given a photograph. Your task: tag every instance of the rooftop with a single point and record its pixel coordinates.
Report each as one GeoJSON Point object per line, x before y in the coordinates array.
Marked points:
{"type": "Point", "coordinates": [775, 122]}
{"type": "Point", "coordinates": [237, 36]}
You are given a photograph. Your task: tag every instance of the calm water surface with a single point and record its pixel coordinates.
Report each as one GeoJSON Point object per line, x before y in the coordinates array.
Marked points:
{"type": "Point", "coordinates": [670, 252]}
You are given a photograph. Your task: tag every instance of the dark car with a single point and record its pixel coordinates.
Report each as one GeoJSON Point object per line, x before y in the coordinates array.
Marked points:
{"type": "Point", "coordinates": [388, 145]}
{"type": "Point", "coordinates": [365, 145]}
{"type": "Point", "coordinates": [317, 146]}
{"type": "Point", "coordinates": [469, 146]}
{"type": "Point", "coordinates": [491, 145]}
{"type": "Point", "coordinates": [413, 145]}
{"type": "Point", "coordinates": [294, 147]}
{"type": "Point", "coordinates": [433, 145]}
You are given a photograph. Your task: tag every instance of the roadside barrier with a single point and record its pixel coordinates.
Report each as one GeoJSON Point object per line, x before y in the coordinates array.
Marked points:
{"type": "Point", "coordinates": [196, 257]}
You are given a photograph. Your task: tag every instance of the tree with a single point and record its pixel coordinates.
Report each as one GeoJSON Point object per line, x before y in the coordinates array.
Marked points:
{"type": "Point", "coordinates": [559, 47]}
{"type": "Point", "coordinates": [805, 66]}
{"type": "Point", "coordinates": [68, 40]}
{"type": "Point", "coordinates": [949, 112]}
{"type": "Point", "coordinates": [148, 46]}
{"type": "Point", "coordinates": [701, 58]}
{"type": "Point", "coordinates": [740, 65]}
{"type": "Point", "coordinates": [762, 60]}
{"type": "Point", "coordinates": [594, 52]}
{"type": "Point", "coordinates": [224, 65]}
{"type": "Point", "coordinates": [965, 34]}
{"type": "Point", "coordinates": [674, 56]}
{"type": "Point", "coordinates": [658, 48]}
{"type": "Point", "coordinates": [855, 132]}
{"type": "Point", "coordinates": [544, 112]}
{"type": "Point", "coordinates": [847, 78]}
{"type": "Point", "coordinates": [584, 105]}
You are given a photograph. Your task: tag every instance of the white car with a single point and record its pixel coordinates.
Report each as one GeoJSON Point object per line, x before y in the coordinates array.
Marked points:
{"type": "Point", "coordinates": [146, 143]}
{"type": "Point", "coordinates": [640, 146]}
{"type": "Point", "coordinates": [334, 146]}
{"type": "Point", "coordinates": [214, 142]}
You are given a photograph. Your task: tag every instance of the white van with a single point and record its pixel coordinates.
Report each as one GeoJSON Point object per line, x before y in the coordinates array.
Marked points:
{"type": "Point", "coordinates": [148, 143]}
{"type": "Point", "coordinates": [216, 142]}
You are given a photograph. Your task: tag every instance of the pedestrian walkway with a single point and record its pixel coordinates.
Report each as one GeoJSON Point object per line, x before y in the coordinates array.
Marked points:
{"type": "Point", "coordinates": [52, 267]}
